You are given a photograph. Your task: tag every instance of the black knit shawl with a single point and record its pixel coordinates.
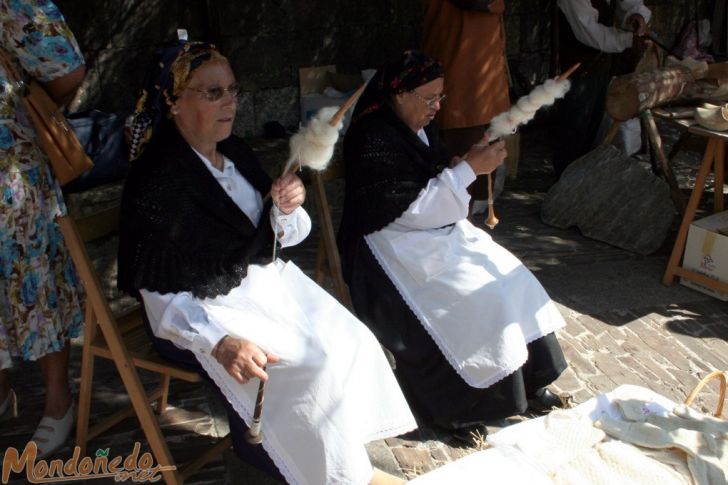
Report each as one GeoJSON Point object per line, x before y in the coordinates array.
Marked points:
{"type": "Point", "coordinates": [387, 165]}
{"type": "Point", "coordinates": [180, 231]}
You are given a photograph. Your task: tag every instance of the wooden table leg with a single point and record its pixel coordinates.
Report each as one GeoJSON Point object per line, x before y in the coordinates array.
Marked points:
{"type": "Point", "coordinates": [692, 207]}
{"type": "Point", "coordinates": [612, 132]}
{"type": "Point", "coordinates": [656, 142]}
{"type": "Point", "coordinates": [719, 171]}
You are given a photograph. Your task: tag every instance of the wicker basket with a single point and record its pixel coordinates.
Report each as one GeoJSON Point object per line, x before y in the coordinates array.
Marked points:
{"type": "Point", "coordinates": [716, 374]}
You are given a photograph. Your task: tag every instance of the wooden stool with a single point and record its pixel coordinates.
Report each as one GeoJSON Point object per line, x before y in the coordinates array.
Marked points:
{"type": "Point", "coordinates": [714, 158]}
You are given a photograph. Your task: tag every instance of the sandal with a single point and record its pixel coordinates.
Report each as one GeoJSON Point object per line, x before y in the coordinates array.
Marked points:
{"type": "Point", "coordinates": [52, 433]}
{"type": "Point", "coordinates": [9, 407]}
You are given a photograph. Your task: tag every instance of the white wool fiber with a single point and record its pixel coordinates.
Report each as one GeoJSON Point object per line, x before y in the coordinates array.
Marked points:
{"type": "Point", "coordinates": [525, 109]}
{"type": "Point", "coordinates": [313, 145]}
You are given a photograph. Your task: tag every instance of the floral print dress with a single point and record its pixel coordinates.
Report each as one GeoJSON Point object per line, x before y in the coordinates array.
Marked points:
{"type": "Point", "coordinates": [40, 292]}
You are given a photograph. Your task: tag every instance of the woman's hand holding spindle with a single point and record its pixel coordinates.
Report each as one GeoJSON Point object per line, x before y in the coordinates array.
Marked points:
{"type": "Point", "coordinates": [242, 359]}
{"type": "Point", "coordinates": [288, 193]}
{"type": "Point", "coordinates": [484, 158]}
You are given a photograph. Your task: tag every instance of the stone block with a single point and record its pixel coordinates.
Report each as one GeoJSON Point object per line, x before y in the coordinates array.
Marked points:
{"type": "Point", "coordinates": [414, 461]}
{"type": "Point", "coordinates": [244, 125]}
{"type": "Point", "coordinates": [611, 198]}
{"type": "Point", "coordinates": [260, 60]}
{"type": "Point", "coordinates": [279, 105]}
{"type": "Point", "coordinates": [121, 76]}
{"type": "Point", "coordinates": [381, 457]}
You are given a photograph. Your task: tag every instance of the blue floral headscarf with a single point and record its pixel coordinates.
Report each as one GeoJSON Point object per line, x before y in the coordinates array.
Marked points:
{"type": "Point", "coordinates": [168, 75]}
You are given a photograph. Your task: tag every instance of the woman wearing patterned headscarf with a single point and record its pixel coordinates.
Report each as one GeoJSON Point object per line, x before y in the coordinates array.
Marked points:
{"type": "Point", "coordinates": [195, 239]}
{"type": "Point", "coordinates": [471, 329]}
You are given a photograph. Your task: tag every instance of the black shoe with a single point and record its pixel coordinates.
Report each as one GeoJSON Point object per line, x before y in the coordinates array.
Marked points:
{"type": "Point", "coordinates": [543, 401]}
{"type": "Point", "coordinates": [470, 435]}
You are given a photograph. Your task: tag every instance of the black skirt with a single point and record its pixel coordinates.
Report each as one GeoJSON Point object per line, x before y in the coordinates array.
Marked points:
{"type": "Point", "coordinates": [434, 390]}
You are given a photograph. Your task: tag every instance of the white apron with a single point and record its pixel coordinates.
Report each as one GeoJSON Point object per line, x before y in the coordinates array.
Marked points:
{"type": "Point", "coordinates": [333, 390]}
{"type": "Point", "coordinates": [479, 303]}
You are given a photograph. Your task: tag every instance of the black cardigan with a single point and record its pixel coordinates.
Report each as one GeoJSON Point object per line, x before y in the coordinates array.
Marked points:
{"type": "Point", "coordinates": [180, 231]}
{"type": "Point", "coordinates": [387, 165]}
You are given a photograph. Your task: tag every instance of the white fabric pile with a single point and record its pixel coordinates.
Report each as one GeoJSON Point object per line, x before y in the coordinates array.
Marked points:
{"type": "Point", "coordinates": [702, 440]}
{"type": "Point", "coordinates": [571, 451]}
{"type": "Point", "coordinates": [594, 443]}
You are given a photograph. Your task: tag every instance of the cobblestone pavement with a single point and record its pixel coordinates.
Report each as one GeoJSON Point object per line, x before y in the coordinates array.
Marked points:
{"type": "Point", "coordinates": [623, 326]}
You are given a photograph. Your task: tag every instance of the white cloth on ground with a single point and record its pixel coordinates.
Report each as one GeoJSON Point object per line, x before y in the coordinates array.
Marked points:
{"type": "Point", "coordinates": [479, 303]}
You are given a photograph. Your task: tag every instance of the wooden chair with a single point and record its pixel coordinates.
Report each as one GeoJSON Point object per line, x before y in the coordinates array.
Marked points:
{"type": "Point", "coordinates": [123, 340]}
{"type": "Point", "coordinates": [328, 261]}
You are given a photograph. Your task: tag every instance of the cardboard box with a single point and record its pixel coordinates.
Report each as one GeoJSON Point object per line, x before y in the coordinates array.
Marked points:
{"type": "Point", "coordinates": [706, 252]}
{"type": "Point", "coordinates": [316, 83]}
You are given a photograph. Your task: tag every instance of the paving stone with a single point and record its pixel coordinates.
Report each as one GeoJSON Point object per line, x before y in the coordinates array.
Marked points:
{"type": "Point", "coordinates": [581, 364]}
{"type": "Point", "coordinates": [413, 461]}
{"type": "Point", "coordinates": [440, 455]}
{"type": "Point", "coordinates": [382, 457]}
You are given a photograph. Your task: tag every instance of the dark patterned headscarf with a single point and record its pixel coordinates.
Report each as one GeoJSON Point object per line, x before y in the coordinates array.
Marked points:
{"type": "Point", "coordinates": [166, 78]}
{"type": "Point", "coordinates": [412, 69]}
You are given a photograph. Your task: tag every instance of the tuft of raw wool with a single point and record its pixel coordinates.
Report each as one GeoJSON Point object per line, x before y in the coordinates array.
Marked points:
{"type": "Point", "coordinates": [313, 145]}
{"type": "Point", "coordinates": [525, 109]}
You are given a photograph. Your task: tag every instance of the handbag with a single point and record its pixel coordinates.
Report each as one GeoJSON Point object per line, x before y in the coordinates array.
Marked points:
{"type": "Point", "coordinates": [102, 137]}
{"type": "Point", "coordinates": [67, 157]}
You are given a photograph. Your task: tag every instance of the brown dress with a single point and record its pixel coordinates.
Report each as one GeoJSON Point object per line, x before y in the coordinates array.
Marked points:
{"type": "Point", "coordinates": [470, 44]}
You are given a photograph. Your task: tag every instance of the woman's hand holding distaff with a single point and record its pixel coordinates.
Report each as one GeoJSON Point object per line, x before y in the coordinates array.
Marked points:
{"type": "Point", "coordinates": [484, 158]}
{"type": "Point", "coordinates": [288, 193]}
{"type": "Point", "coordinates": [242, 359]}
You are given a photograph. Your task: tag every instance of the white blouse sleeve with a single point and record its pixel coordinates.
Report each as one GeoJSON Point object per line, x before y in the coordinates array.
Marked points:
{"type": "Point", "coordinates": [583, 19]}
{"type": "Point", "coordinates": [443, 201]}
{"type": "Point", "coordinates": [179, 318]}
{"type": "Point", "coordinates": [295, 226]}
{"type": "Point", "coordinates": [632, 7]}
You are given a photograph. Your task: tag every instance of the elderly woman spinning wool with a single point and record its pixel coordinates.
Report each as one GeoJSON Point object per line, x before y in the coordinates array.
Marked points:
{"type": "Point", "coordinates": [471, 329]}
{"type": "Point", "coordinates": [195, 237]}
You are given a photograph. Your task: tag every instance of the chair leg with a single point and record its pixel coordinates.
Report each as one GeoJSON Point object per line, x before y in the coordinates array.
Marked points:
{"type": "Point", "coordinates": [164, 389]}
{"type": "Point", "coordinates": [328, 238]}
{"type": "Point", "coordinates": [87, 377]}
{"type": "Point", "coordinates": [320, 272]}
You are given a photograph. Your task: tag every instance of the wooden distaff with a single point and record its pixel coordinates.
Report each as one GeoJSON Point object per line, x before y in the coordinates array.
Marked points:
{"type": "Point", "coordinates": [492, 220]}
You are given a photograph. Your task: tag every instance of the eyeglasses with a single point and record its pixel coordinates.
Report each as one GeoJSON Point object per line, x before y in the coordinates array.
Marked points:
{"type": "Point", "coordinates": [431, 101]}
{"type": "Point", "coordinates": [216, 93]}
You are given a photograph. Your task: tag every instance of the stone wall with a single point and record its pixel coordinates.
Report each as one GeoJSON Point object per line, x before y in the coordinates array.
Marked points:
{"type": "Point", "coordinates": [267, 41]}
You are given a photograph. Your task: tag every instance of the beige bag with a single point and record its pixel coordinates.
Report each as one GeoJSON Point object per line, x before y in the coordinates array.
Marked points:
{"type": "Point", "coordinates": [56, 138]}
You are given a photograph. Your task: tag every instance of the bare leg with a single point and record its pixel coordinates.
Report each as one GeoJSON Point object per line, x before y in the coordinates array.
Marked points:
{"type": "Point", "coordinates": [55, 376]}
